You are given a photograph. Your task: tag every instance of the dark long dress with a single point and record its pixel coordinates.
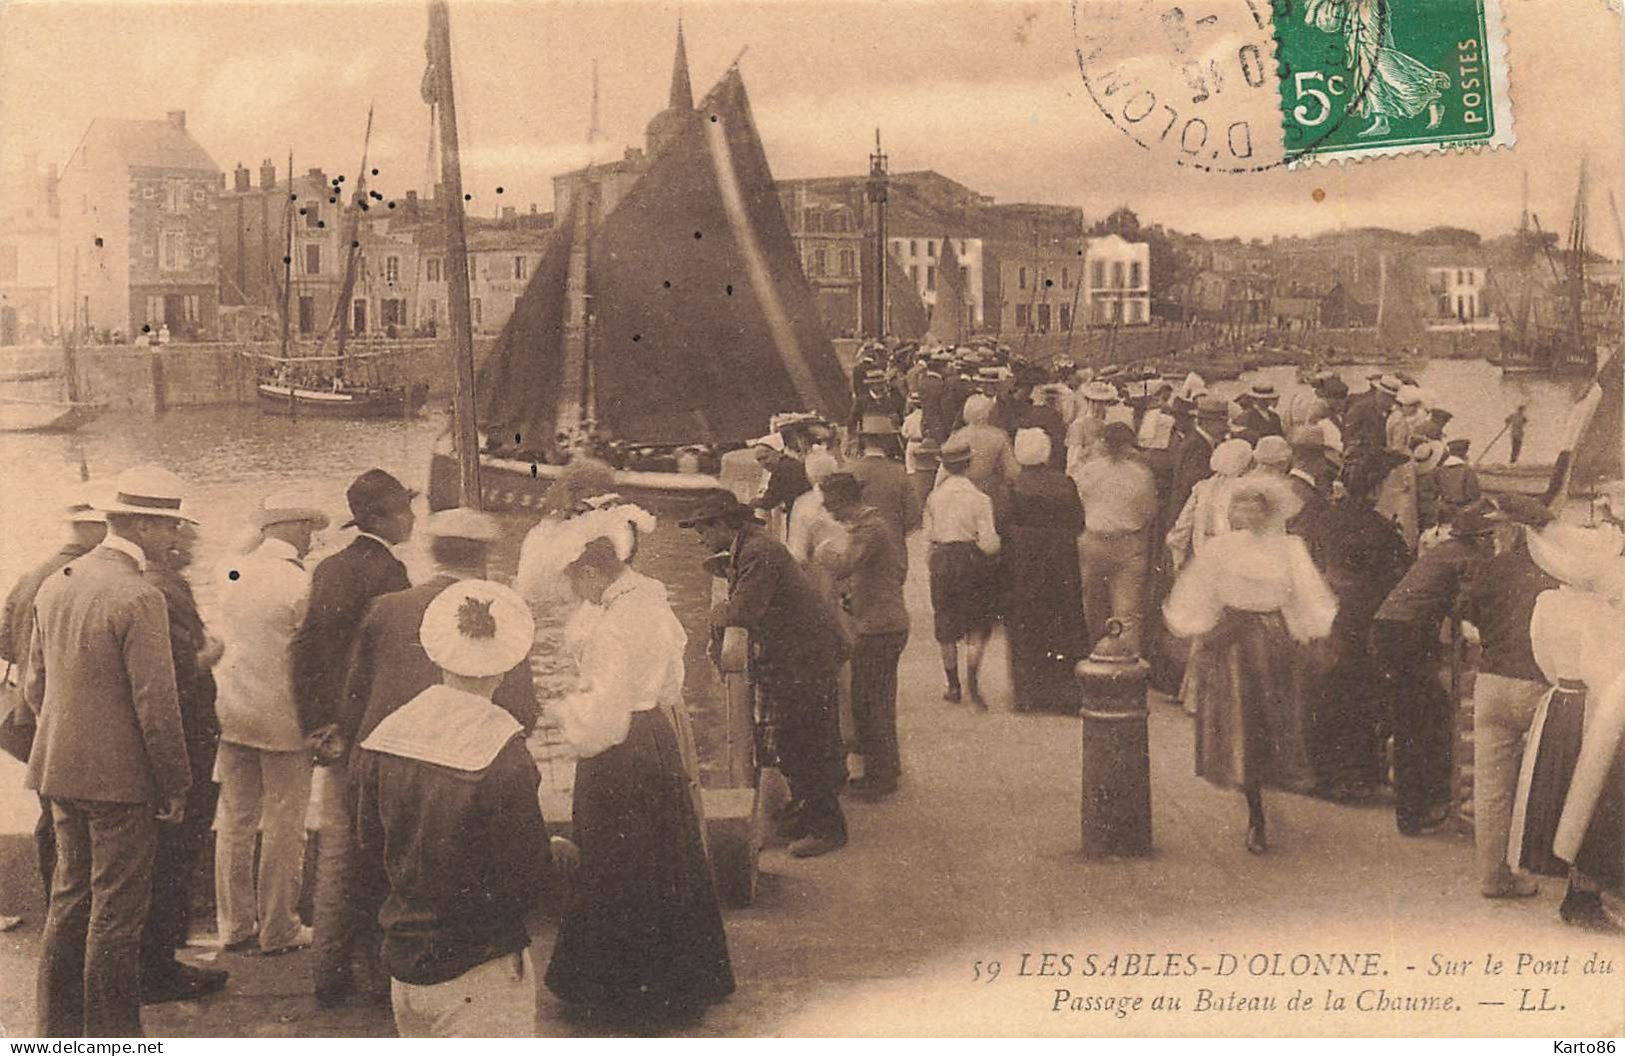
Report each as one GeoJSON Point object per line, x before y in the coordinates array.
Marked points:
{"type": "Point", "coordinates": [1363, 557]}
{"type": "Point", "coordinates": [1247, 674]}
{"type": "Point", "coordinates": [1045, 622]}
{"type": "Point", "coordinates": [1555, 744]}
{"type": "Point", "coordinates": [642, 931]}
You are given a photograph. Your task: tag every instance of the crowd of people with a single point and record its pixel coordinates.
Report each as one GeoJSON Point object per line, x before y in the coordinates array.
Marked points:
{"type": "Point", "coordinates": [1304, 577]}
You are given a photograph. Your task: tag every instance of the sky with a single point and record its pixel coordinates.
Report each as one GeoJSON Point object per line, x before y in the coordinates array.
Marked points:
{"type": "Point", "coordinates": [987, 92]}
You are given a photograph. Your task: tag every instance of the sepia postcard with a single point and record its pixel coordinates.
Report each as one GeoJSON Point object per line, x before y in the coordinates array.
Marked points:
{"type": "Point", "coordinates": [405, 406]}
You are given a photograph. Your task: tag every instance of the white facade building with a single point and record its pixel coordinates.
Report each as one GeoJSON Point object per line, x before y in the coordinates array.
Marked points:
{"type": "Point", "coordinates": [921, 257]}
{"type": "Point", "coordinates": [1117, 274]}
{"type": "Point", "coordinates": [1459, 298]}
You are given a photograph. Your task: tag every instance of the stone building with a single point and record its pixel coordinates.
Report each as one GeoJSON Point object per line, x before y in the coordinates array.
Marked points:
{"type": "Point", "coordinates": [139, 230]}
{"type": "Point", "coordinates": [302, 219]}
{"type": "Point", "coordinates": [1460, 298]}
{"type": "Point", "coordinates": [1103, 281]}
{"type": "Point", "coordinates": [28, 241]}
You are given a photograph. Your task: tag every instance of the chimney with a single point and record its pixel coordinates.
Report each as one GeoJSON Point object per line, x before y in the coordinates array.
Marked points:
{"type": "Point", "coordinates": [439, 191]}
{"type": "Point", "coordinates": [319, 176]}
{"type": "Point", "coordinates": [241, 177]}
{"type": "Point", "coordinates": [532, 208]}
{"type": "Point", "coordinates": [177, 119]}
{"type": "Point", "coordinates": [509, 212]}
{"type": "Point", "coordinates": [412, 199]}
{"type": "Point", "coordinates": [267, 174]}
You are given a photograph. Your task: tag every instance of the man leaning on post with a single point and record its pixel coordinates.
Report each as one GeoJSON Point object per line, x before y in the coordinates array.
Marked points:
{"type": "Point", "coordinates": [110, 755]}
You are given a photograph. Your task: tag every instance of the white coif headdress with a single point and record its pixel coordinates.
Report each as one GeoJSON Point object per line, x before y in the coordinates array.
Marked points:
{"type": "Point", "coordinates": [553, 544]}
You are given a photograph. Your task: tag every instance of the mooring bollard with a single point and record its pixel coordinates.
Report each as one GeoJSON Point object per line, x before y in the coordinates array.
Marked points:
{"type": "Point", "coordinates": [1116, 754]}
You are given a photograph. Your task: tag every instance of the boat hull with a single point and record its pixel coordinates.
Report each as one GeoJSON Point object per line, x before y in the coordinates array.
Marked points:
{"type": "Point", "coordinates": [42, 416]}
{"type": "Point", "coordinates": [1503, 479]}
{"type": "Point", "coordinates": [394, 403]}
{"type": "Point", "coordinates": [510, 485]}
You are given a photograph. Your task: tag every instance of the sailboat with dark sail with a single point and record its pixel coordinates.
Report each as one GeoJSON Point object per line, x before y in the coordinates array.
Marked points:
{"type": "Point", "coordinates": [344, 384]}
{"type": "Point", "coordinates": [1557, 327]}
{"type": "Point", "coordinates": [674, 320]}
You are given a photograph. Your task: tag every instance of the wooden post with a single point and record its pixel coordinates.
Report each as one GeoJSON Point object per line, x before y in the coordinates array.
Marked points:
{"type": "Point", "coordinates": [464, 433]}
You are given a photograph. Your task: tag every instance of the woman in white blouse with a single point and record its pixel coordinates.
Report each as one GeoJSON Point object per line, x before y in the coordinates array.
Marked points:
{"type": "Point", "coordinates": [1251, 598]}
{"type": "Point", "coordinates": [642, 931]}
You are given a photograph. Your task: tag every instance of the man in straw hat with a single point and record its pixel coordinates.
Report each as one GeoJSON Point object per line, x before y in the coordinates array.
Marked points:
{"type": "Point", "coordinates": [87, 527]}
{"type": "Point", "coordinates": [1259, 418]}
{"type": "Point", "coordinates": [798, 650]}
{"type": "Point", "coordinates": [110, 755]}
{"type": "Point", "coordinates": [447, 808]}
{"type": "Point", "coordinates": [341, 588]}
{"type": "Point", "coordinates": [1405, 641]}
{"type": "Point", "coordinates": [164, 977]}
{"type": "Point", "coordinates": [264, 764]}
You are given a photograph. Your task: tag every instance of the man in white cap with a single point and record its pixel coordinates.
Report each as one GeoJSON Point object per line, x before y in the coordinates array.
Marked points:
{"type": "Point", "coordinates": [447, 809]}
{"type": "Point", "coordinates": [110, 755]}
{"type": "Point", "coordinates": [264, 764]}
{"type": "Point", "coordinates": [87, 526]}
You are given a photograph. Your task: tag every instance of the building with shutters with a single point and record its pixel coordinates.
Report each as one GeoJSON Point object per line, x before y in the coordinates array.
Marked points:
{"type": "Point", "coordinates": [139, 230]}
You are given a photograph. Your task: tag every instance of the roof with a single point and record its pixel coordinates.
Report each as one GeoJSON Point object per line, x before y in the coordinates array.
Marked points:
{"type": "Point", "coordinates": [148, 144]}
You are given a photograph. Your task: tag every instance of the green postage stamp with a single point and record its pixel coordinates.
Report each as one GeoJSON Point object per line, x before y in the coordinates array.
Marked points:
{"type": "Point", "coordinates": [1364, 77]}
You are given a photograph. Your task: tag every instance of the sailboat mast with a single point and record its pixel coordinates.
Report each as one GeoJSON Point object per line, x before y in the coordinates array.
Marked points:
{"type": "Point", "coordinates": [463, 428]}
{"type": "Point", "coordinates": [287, 255]}
{"type": "Point", "coordinates": [352, 248]}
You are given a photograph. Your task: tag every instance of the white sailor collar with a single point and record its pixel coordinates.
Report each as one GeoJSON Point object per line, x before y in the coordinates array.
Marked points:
{"type": "Point", "coordinates": [445, 727]}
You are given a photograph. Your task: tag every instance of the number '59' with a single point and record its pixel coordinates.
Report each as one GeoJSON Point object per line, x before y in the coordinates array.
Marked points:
{"type": "Point", "coordinates": [989, 969]}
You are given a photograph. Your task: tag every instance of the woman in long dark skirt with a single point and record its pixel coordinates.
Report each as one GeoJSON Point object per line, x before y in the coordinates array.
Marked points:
{"type": "Point", "coordinates": [1252, 598]}
{"type": "Point", "coordinates": [1575, 634]}
{"type": "Point", "coordinates": [642, 933]}
{"type": "Point", "coordinates": [1045, 622]}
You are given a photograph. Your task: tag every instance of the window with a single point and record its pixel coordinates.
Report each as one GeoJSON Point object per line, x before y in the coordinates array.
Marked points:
{"type": "Point", "coordinates": [519, 267]}
{"type": "Point", "coordinates": [1043, 318]}
{"type": "Point", "coordinates": [1097, 274]}
{"type": "Point", "coordinates": [930, 277]}
{"type": "Point", "coordinates": [961, 247]}
{"type": "Point", "coordinates": [1066, 279]}
{"type": "Point", "coordinates": [358, 314]}
{"type": "Point", "coordinates": [431, 311]}
{"type": "Point", "coordinates": [811, 221]}
{"type": "Point", "coordinates": [394, 312]}
{"type": "Point", "coordinates": [8, 263]}
{"type": "Point", "coordinates": [1135, 275]}
{"type": "Point", "coordinates": [964, 277]}
{"type": "Point", "coordinates": [914, 275]}
{"type": "Point", "coordinates": [1472, 278]}
{"type": "Point", "coordinates": [1066, 317]}
{"type": "Point", "coordinates": [476, 310]}
{"type": "Point", "coordinates": [200, 252]}
{"type": "Point", "coordinates": [198, 195]}
{"type": "Point", "coordinates": [913, 248]}
{"type": "Point", "coordinates": [1021, 279]}
{"type": "Point", "coordinates": [313, 259]}
{"type": "Point", "coordinates": [191, 305]}
{"type": "Point", "coordinates": [849, 263]}
{"type": "Point", "coordinates": [313, 215]}
{"type": "Point", "coordinates": [820, 262]}
{"type": "Point", "coordinates": [174, 251]}
{"type": "Point", "coordinates": [431, 269]}
{"type": "Point", "coordinates": [1021, 317]}
{"type": "Point", "coordinates": [1459, 279]}
{"type": "Point", "coordinates": [392, 269]}
{"type": "Point", "coordinates": [471, 267]}
{"type": "Point", "coordinates": [155, 311]}
{"type": "Point", "coordinates": [1136, 312]}
{"type": "Point", "coordinates": [1444, 304]}
{"type": "Point", "coordinates": [307, 315]}
{"type": "Point", "coordinates": [146, 192]}
{"type": "Point", "coordinates": [1117, 274]}
{"type": "Point", "coordinates": [931, 251]}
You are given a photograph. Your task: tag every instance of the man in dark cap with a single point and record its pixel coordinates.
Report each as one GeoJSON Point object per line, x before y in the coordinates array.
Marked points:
{"type": "Point", "coordinates": [1509, 685]}
{"type": "Point", "coordinates": [1456, 480]}
{"type": "Point", "coordinates": [1014, 410]}
{"type": "Point", "coordinates": [1405, 638]}
{"type": "Point", "coordinates": [871, 571]}
{"type": "Point", "coordinates": [341, 588]}
{"type": "Point", "coordinates": [797, 650]}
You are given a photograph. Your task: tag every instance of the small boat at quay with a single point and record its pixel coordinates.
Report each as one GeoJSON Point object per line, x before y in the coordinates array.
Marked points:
{"type": "Point", "coordinates": [366, 402]}
{"type": "Point", "coordinates": [18, 415]}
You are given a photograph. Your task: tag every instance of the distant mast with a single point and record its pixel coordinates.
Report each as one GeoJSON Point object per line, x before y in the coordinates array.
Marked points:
{"type": "Point", "coordinates": [437, 92]}
{"type": "Point", "coordinates": [287, 255]}
{"type": "Point", "coordinates": [877, 193]}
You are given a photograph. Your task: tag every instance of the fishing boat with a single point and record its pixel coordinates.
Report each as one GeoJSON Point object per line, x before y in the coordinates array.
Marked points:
{"type": "Point", "coordinates": [1558, 325]}
{"type": "Point", "coordinates": [343, 384]}
{"type": "Point", "coordinates": [33, 414]}
{"type": "Point", "coordinates": [676, 320]}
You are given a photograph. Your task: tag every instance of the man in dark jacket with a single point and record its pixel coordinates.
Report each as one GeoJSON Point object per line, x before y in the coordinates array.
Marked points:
{"type": "Point", "coordinates": [88, 527]}
{"type": "Point", "coordinates": [886, 487]}
{"type": "Point", "coordinates": [1366, 421]}
{"type": "Point", "coordinates": [796, 652]}
{"type": "Point", "coordinates": [1015, 410]}
{"type": "Point", "coordinates": [1194, 461]}
{"type": "Point", "coordinates": [169, 917]}
{"type": "Point", "coordinates": [447, 811]}
{"type": "Point", "coordinates": [341, 588]}
{"type": "Point", "coordinates": [388, 665]}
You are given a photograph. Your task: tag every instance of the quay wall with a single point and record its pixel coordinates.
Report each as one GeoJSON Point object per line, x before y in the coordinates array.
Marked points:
{"type": "Point", "coordinates": [197, 375]}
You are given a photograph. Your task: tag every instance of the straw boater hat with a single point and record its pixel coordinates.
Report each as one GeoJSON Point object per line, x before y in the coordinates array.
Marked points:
{"type": "Point", "coordinates": [1100, 392]}
{"type": "Point", "coordinates": [85, 507]}
{"type": "Point", "coordinates": [772, 441]}
{"type": "Point", "coordinates": [1212, 407]}
{"type": "Point", "coordinates": [462, 522]}
{"type": "Point", "coordinates": [1409, 396]}
{"type": "Point", "coordinates": [477, 628]}
{"type": "Point", "coordinates": [1387, 383]}
{"type": "Point", "coordinates": [147, 491]}
{"type": "Point", "coordinates": [285, 506]}
{"type": "Point", "coordinates": [1262, 390]}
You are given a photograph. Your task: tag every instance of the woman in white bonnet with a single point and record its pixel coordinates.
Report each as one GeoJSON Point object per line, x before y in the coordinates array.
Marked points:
{"type": "Point", "coordinates": [1047, 632]}
{"type": "Point", "coordinates": [1206, 514]}
{"type": "Point", "coordinates": [1575, 634]}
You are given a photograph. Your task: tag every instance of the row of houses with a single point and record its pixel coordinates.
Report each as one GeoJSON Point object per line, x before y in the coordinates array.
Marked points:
{"type": "Point", "coordinates": [1022, 266]}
